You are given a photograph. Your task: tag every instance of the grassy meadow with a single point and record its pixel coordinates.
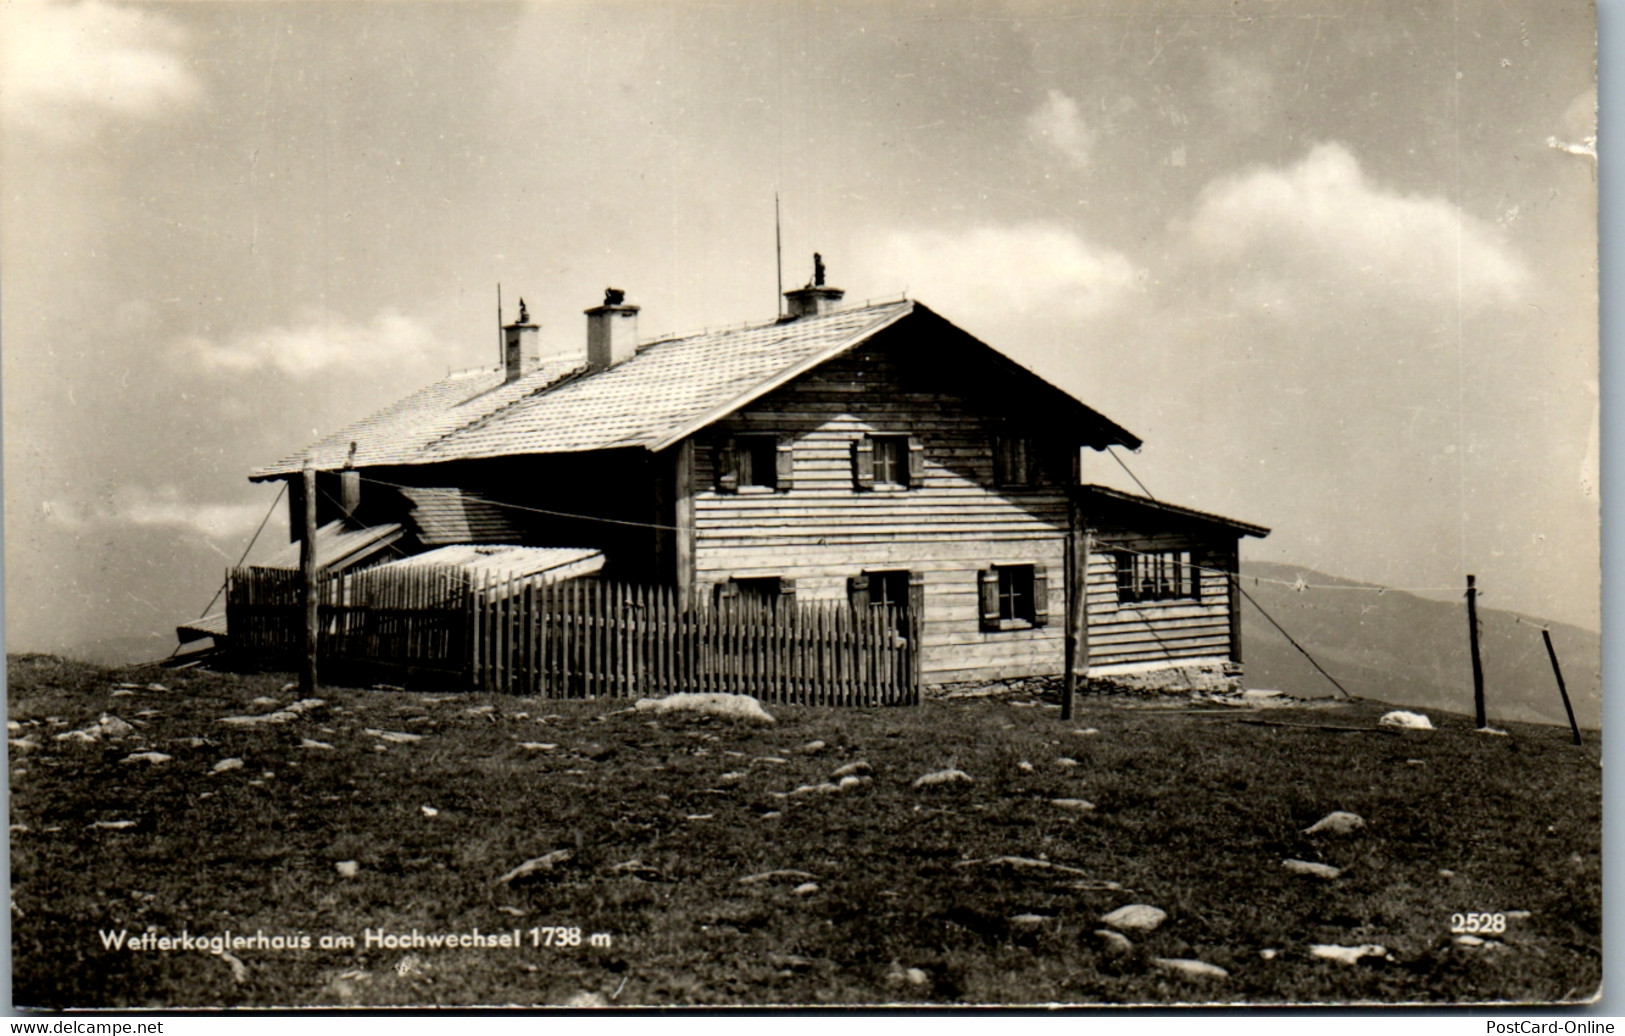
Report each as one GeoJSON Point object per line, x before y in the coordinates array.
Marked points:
{"type": "Point", "coordinates": [680, 852]}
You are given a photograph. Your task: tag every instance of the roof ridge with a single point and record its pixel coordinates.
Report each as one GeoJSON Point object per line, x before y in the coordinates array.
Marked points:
{"type": "Point", "coordinates": [752, 325]}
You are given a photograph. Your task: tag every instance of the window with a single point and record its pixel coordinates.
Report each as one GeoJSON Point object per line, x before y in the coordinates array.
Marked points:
{"type": "Point", "coordinates": [887, 462]}
{"type": "Point", "coordinates": [754, 463]}
{"type": "Point", "coordinates": [1161, 575]}
{"type": "Point", "coordinates": [898, 589]}
{"type": "Point", "coordinates": [1012, 461]}
{"type": "Point", "coordinates": [1014, 597]}
{"type": "Point", "coordinates": [891, 460]}
{"type": "Point", "coordinates": [757, 457]}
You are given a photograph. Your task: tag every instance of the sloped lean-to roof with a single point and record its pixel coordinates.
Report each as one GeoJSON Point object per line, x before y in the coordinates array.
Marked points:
{"type": "Point", "coordinates": [670, 389]}
{"type": "Point", "coordinates": [1103, 495]}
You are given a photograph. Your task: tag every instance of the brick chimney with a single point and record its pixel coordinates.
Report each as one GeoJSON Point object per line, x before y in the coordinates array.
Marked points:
{"type": "Point", "coordinates": [521, 345]}
{"type": "Point", "coordinates": [815, 298]}
{"type": "Point", "coordinates": [612, 331]}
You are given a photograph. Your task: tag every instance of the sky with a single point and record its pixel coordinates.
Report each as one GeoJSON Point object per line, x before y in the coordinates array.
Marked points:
{"type": "Point", "coordinates": [1335, 262]}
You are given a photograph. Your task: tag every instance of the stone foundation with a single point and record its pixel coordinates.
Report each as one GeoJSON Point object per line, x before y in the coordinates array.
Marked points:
{"type": "Point", "coordinates": [1201, 677]}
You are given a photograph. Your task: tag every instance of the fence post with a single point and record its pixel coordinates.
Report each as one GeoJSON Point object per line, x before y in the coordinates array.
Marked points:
{"type": "Point", "coordinates": [1478, 665]}
{"type": "Point", "coordinates": [308, 562]}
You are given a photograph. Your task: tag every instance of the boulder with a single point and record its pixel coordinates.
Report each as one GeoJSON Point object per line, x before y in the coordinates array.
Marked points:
{"type": "Point", "coordinates": [939, 777]}
{"type": "Point", "coordinates": [1324, 871]}
{"type": "Point", "coordinates": [1405, 720]}
{"type": "Point", "coordinates": [1347, 954]}
{"type": "Point", "coordinates": [723, 706]}
{"type": "Point", "coordinates": [1136, 917]}
{"type": "Point", "coordinates": [1113, 944]}
{"type": "Point", "coordinates": [1190, 968]}
{"type": "Point", "coordinates": [1336, 823]}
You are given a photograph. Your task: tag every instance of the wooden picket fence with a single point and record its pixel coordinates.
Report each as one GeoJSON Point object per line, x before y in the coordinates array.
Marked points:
{"type": "Point", "coordinates": [583, 638]}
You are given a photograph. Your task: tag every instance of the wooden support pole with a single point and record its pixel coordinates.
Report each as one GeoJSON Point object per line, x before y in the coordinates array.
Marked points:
{"type": "Point", "coordinates": [307, 570]}
{"type": "Point", "coordinates": [1478, 664]}
{"type": "Point", "coordinates": [1562, 688]}
{"type": "Point", "coordinates": [1077, 607]}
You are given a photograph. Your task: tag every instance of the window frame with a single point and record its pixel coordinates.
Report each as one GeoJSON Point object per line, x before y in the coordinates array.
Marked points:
{"type": "Point", "coordinates": [753, 451]}
{"type": "Point", "coordinates": [1154, 577]}
{"type": "Point", "coordinates": [1014, 596]}
{"type": "Point", "coordinates": [891, 451]}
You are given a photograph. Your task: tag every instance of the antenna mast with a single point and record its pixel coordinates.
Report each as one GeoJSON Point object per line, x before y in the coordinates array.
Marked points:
{"type": "Point", "coordinates": [778, 256]}
{"type": "Point", "coordinates": [502, 349]}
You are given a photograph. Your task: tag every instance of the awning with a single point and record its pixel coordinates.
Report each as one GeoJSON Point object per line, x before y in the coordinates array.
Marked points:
{"type": "Point", "coordinates": [499, 561]}
{"type": "Point", "coordinates": [339, 547]}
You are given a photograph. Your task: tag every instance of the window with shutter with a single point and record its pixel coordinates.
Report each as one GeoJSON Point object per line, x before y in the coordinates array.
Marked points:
{"type": "Point", "coordinates": [1014, 597]}
{"type": "Point", "coordinates": [756, 461]}
{"type": "Point", "coordinates": [891, 460]}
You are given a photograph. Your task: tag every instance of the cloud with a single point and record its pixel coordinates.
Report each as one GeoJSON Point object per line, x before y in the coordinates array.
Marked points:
{"type": "Point", "coordinates": [315, 347]}
{"type": "Point", "coordinates": [65, 66]}
{"type": "Point", "coordinates": [993, 272]}
{"type": "Point", "coordinates": [1320, 228]}
{"type": "Point", "coordinates": [1058, 124]}
{"type": "Point", "coordinates": [165, 506]}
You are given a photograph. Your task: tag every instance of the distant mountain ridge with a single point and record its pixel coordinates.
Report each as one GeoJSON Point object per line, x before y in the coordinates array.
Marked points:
{"type": "Point", "coordinates": [1409, 650]}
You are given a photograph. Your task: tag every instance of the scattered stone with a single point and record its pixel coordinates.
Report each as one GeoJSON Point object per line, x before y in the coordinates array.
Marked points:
{"type": "Point", "coordinates": [394, 737]}
{"type": "Point", "coordinates": [806, 888]}
{"type": "Point", "coordinates": [1030, 920]}
{"type": "Point", "coordinates": [265, 701]}
{"type": "Point", "coordinates": [1260, 696]}
{"type": "Point", "coordinates": [700, 816]}
{"type": "Point", "coordinates": [853, 769]}
{"type": "Point", "coordinates": [306, 742]}
{"type": "Point", "coordinates": [724, 706]}
{"type": "Point", "coordinates": [123, 694]}
{"type": "Point", "coordinates": [1347, 954]}
{"type": "Point", "coordinates": [266, 720]}
{"type": "Point", "coordinates": [85, 736]}
{"type": "Point", "coordinates": [479, 710]}
{"type": "Point", "coordinates": [732, 777]}
{"type": "Point", "coordinates": [147, 757]}
{"type": "Point", "coordinates": [430, 811]}
{"type": "Point", "coordinates": [515, 911]}
{"type": "Point", "coordinates": [1445, 872]}
{"type": "Point", "coordinates": [1074, 805]}
{"type": "Point", "coordinates": [108, 726]}
{"type": "Point", "coordinates": [770, 814]}
{"type": "Point", "coordinates": [1469, 941]}
{"type": "Point", "coordinates": [812, 748]}
{"type": "Point", "coordinates": [1493, 731]}
{"type": "Point", "coordinates": [1190, 968]}
{"type": "Point", "coordinates": [347, 868]}
{"type": "Point", "coordinates": [1113, 944]}
{"type": "Point", "coordinates": [779, 875]}
{"type": "Point", "coordinates": [585, 999]}
{"type": "Point", "coordinates": [227, 764]}
{"type": "Point", "coordinates": [775, 760]}
{"type": "Point", "coordinates": [1311, 870]}
{"type": "Point", "coordinates": [598, 753]}
{"type": "Point", "coordinates": [1066, 762]}
{"type": "Point", "coordinates": [1336, 823]}
{"type": "Point", "coordinates": [239, 970]}
{"type": "Point", "coordinates": [1416, 762]}
{"type": "Point", "coordinates": [1024, 766]}
{"type": "Point", "coordinates": [1518, 915]}
{"type": "Point", "coordinates": [537, 865]}
{"type": "Point", "coordinates": [1136, 917]}
{"type": "Point", "coordinates": [1022, 863]}
{"type": "Point", "coordinates": [1269, 954]}
{"type": "Point", "coordinates": [538, 746]}
{"type": "Point", "coordinates": [20, 829]}
{"type": "Point", "coordinates": [113, 825]}
{"type": "Point", "coordinates": [849, 782]}
{"type": "Point", "coordinates": [1086, 732]}
{"type": "Point", "coordinates": [1405, 720]}
{"type": "Point", "coordinates": [937, 777]}
{"type": "Point", "coordinates": [815, 789]}
{"type": "Point", "coordinates": [23, 744]}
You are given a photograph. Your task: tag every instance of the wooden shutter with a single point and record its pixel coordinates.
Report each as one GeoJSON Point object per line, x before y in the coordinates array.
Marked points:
{"type": "Point", "coordinates": [916, 461]}
{"type": "Point", "coordinates": [863, 463]}
{"type": "Point", "coordinates": [857, 592]}
{"type": "Point", "coordinates": [988, 587]}
{"type": "Point", "coordinates": [727, 465]}
{"type": "Point", "coordinates": [916, 598]}
{"type": "Point", "coordinates": [784, 471]}
{"type": "Point", "coordinates": [349, 492]}
{"type": "Point", "coordinates": [1040, 595]}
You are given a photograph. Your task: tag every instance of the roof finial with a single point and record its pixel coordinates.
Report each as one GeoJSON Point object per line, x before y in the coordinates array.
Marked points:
{"type": "Point", "coordinates": [524, 317]}
{"type": "Point", "coordinates": [818, 270]}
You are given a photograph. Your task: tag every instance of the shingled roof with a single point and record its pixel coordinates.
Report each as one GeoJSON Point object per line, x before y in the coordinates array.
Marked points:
{"type": "Point", "coordinates": [671, 388]}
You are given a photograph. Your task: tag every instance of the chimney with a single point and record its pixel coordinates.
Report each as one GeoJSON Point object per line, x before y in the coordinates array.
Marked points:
{"type": "Point", "coordinates": [815, 299]}
{"type": "Point", "coordinates": [612, 331]}
{"type": "Point", "coordinates": [521, 345]}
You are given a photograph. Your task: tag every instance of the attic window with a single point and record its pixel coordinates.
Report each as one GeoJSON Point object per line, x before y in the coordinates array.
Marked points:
{"type": "Point", "coordinates": [754, 463]}
{"type": "Point", "coordinates": [758, 461]}
{"type": "Point", "coordinates": [1161, 575]}
{"type": "Point", "coordinates": [1013, 463]}
{"type": "Point", "coordinates": [888, 462]}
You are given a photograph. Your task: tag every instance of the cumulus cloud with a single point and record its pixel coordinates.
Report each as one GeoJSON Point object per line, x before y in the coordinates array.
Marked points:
{"type": "Point", "coordinates": [1001, 272]}
{"type": "Point", "coordinates": [311, 348]}
{"type": "Point", "coordinates": [1321, 226]}
{"type": "Point", "coordinates": [64, 66]}
{"type": "Point", "coordinates": [1058, 123]}
{"type": "Point", "coordinates": [164, 506]}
